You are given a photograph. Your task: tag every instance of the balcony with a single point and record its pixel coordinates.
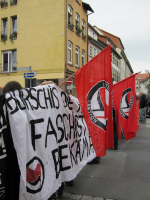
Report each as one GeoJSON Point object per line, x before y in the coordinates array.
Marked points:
{"type": "Point", "coordinates": [78, 31]}
{"type": "Point", "coordinates": [13, 35]}
{"type": "Point", "coordinates": [4, 4]}
{"type": "Point", "coordinates": [71, 26]}
{"type": "Point", "coordinates": [9, 67]}
{"type": "Point", "coordinates": [13, 2]}
{"type": "Point", "coordinates": [84, 37]}
{"type": "Point", "coordinates": [3, 36]}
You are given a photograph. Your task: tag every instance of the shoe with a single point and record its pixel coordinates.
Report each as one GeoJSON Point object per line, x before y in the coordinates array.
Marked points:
{"type": "Point", "coordinates": [61, 189]}
{"type": "Point", "coordinates": [94, 161]}
{"type": "Point", "coordinates": [70, 183]}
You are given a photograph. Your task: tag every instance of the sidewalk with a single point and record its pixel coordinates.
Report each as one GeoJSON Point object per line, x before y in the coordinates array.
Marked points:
{"type": "Point", "coordinates": [67, 196]}
{"type": "Point", "coordinates": [123, 174]}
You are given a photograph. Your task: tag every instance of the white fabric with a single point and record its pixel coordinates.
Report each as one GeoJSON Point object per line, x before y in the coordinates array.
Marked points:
{"type": "Point", "coordinates": [36, 145]}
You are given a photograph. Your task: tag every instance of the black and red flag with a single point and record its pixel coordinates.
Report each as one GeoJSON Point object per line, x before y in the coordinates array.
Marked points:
{"type": "Point", "coordinates": [94, 85]}
{"type": "Point", "coordinates": [124, 99]}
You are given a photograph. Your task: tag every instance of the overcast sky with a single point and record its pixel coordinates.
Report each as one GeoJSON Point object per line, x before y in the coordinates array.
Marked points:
{"type": "Point", "coordinates": [129, 20]}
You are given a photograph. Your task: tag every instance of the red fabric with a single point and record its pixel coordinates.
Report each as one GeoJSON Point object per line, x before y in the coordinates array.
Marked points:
{"type": "Point", "coordinates": [124, 98]}
{"type": "Point", "coordinates": [138, 114]}
{"type": "Point", "coordinates": [94, 85]}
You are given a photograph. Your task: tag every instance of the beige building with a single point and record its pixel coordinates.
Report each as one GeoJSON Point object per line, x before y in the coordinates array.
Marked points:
{"type": "Point", "coordinates": [48, 35]}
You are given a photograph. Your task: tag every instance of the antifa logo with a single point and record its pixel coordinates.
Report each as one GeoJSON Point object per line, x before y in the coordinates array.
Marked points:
{"type": "Point", "coordinates": [96, 108]}
{"type": "Point", "coordinates": [125, 106]}
{"type": "Point", "coordinates": [34, 175]}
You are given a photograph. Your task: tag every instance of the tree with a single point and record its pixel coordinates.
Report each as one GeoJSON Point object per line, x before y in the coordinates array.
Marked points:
{"type": "Point", "coordinates": [147, 81]}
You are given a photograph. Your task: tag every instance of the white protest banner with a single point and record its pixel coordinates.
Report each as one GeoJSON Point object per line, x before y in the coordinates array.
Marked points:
{"type": "Point", "coordinates": [50, 137]}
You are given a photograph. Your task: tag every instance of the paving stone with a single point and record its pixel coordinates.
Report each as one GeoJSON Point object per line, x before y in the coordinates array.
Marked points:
{"type": "Point", "coordinates": [65, 196]}
{"type": "Point", "coordinates": [86, 197]}
{"type": "Point", "coordinates": [98, 198]}
{"type": "Point", "coordinates": [76, 196]}
{"type": "Point", "coordinates": [109, 199]}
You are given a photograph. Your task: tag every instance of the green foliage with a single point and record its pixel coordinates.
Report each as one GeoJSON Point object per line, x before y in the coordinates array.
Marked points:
{"type": "Point", "coordinates": [4, 4]}
{"type": "Point", "coordinates": [147, 82]}
{"type": "Point", "coordinates": [12, 36]}
{"type": "Point", "coordinates": [13, 2]}
{"type": "Point", "coordinates": [83, 36]}
{"type": "Point", "coordinates": [3, 38]}
{"type": "Point", "coordinates": [78, 30]}
{"type": "Point", "coordinates": [71, 25]}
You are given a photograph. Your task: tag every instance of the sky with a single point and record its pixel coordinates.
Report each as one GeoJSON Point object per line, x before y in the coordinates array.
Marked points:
{"type": "Point", "coordinates": [130, 21]}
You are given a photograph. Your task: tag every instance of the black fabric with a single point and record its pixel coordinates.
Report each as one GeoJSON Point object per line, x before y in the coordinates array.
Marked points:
{"type": "Point", "coordinates": [143, 101]}
{"type": "Point", "coordinates": [115, 135]}
{"type": "Point", "coordinates": [3, 147]}
{"type": "Point", "coordinates": [9, 165]}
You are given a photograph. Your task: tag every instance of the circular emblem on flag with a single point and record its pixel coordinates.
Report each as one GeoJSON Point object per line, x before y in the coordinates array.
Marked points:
{"type": "Point", "coordinates": [96, 100]}
{"type": "Point", "coordinates": [126, 103]}
{"type": "Point", "coordinates": [35, 175]}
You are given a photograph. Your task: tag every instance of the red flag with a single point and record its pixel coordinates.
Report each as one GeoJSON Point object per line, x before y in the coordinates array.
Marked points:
{"type": "Point", "coordinates": [124, 98]}
{"type": "Point", "coordinates": [94, 85]}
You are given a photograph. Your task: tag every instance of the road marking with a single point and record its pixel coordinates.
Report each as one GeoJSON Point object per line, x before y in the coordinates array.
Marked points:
{"type": "Point", "coordinates": [147, 125]}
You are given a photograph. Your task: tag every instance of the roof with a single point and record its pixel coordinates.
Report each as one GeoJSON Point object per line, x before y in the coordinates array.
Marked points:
{"type": "Point", "coordinates": [141, 77]}
{"type": "Point", "coordinates": [87, 7]}
{"type": "Point", "coordinates": [104, 45]}
{"type": "Point", "coordinates": [114, 38]}
{"type": "Point", "coordinates": [93, 29]}
{"type": "Point", "coordinates": [127, 61]}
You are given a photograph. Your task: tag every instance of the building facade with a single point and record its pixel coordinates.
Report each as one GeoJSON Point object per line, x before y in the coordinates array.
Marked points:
{"type": "Point", "coordinates": [121, 67]}
{"type": "Point", "coordinates": [49, 36]}
{"type": "Point", "coordinates": [140, 81]}
{"type": "Point", "coordinates": [96, 43]}
{"type": "Point", "coordinates": [94, 47]}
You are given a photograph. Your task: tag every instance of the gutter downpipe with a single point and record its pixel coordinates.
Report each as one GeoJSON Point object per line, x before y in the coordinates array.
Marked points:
{"type": "Point", "coordinates": [87, 37]}
{"type": "Point", "coordinates": [66, 70]}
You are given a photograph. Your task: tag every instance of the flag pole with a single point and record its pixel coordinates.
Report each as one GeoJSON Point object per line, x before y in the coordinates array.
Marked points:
{"type": "Point", "coordinates": [66, 80]}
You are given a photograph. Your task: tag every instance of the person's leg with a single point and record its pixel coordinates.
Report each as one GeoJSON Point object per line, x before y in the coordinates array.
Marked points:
{"type": "Point", "coordinates": [142, 115]}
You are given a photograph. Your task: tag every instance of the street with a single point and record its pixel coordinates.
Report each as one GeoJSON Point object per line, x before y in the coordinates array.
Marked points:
{"type": "Point", "coordinates": [123, 174]}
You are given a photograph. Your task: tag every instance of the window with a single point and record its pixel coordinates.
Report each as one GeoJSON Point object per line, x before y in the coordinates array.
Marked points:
{"type": "Point", "coordinates": [14, 26]}
{"type": "Point", "coordinates": [95, 51]}
{"type": "Point", "coordinates": [77, 20]}
{"type": "Point", "coordinates": [90, 32]}
{"type": "Point", "coordinates": [77, 56]}
{"type": "Point", "coordinates": [98, 51]}
{"type": "Point", "coordinates": [13, 2]}
{"type": "Point", "coordinates": [4, 3]}
{"type": "Point", "coordinates": [83, 57]}
{"type": "Point", "coordinates": [83, 26]}
{"type": "Point", "coordinates": [4, 26]}
{"type": "Point", "coordinates": [95, 36]}
{"type": "Point", "coordinates": [69, 52]}
{"type": "Point", "coordinates": [113, 59]}
{"type": "Point", "coordinates": [9, 61]}
{"type": "Point", "coordinates": [78, 30]}
{"type": "Point", "coordinates": [4, 30]}
{"type": "Point", "coordinates": [91, 50]}
{"type": "Point", "coordinates": [115, 75]}
{"type": "Point", "coordinates": [108, 42]}
{"type": "Point", "coordinates": [69, 14]}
